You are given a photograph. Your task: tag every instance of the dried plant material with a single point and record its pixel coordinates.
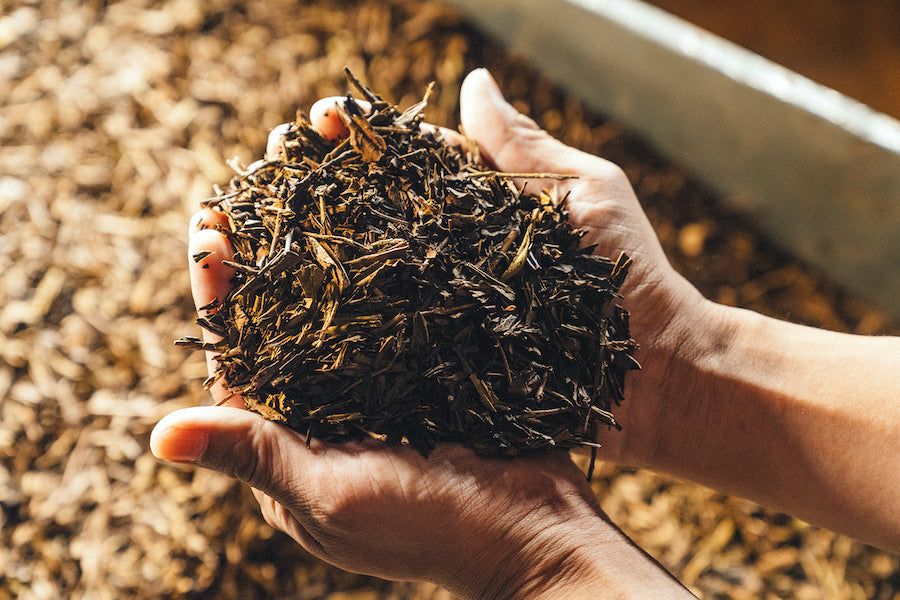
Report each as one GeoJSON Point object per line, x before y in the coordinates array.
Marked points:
{"type": "Point", "coordinates": [99, 189]}
{"type": "Point", "coordinates": [391, 286]}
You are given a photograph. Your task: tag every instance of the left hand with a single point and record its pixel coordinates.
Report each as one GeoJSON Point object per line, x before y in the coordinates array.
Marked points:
{"type": "Point", "coordinates": [481, 528]}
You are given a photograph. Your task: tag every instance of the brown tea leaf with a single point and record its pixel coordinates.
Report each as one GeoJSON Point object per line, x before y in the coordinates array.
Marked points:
{"type": "Point", "coordinates": [366, 305]}
{"type": "Point", "coordinates": [363, 138]}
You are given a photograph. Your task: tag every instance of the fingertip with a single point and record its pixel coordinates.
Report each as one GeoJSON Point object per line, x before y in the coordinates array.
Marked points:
{"type": "Point", "coordinates": [480, 93]}
{"type": "Point", "coordinates": [485, 114]}
{"type": "Point", "coordinates": [210, 277]}
{"type": "Point", "coordinates": [275, 139]}
{"type": "Point", "coordinates": [207, 218]}
{"type": "Point", "coordinates": [449, 136]}
{"type": "Point", "coordinates": [181, 445]}
{"type": "Point", "coordinates": [184, 435]}
{"type": "Point", "coordinates": [208, 248]}
{"type": "Point", "coordinates": [481, 78]}
{"type": "Point", "coordinates": [325, 118]}
{"type": "Point", "coordinates": [510, 140]}
{"type": "Point", "coordinates": [173, 441]}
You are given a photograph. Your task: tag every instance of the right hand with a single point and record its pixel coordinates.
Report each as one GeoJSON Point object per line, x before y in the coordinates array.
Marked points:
{"type": "Point", "coordinates": [661, 303]}
{"type": "Point", "coordinates": [663, 306]}
{"type": "Point", "coordinates": [506, 526]}
{"type": "Point", "coordinates": [601, 201]}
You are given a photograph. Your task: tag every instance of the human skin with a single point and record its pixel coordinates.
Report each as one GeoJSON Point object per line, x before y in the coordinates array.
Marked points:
{"type": "Point", "coordinates": [482, 528]}
{"type": "Point", "coordinates": [802, 420]}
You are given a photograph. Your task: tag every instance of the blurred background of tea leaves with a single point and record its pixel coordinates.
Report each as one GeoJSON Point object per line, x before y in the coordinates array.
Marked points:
{"type": "Point", "coordinates": [115, 120]}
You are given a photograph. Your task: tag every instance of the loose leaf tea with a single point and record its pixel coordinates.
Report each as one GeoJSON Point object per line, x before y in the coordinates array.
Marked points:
{"type": "Point", "coordinates": [391, 285]}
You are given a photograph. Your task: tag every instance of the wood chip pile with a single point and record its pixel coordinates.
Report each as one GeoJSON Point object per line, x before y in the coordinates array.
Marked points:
{"type": "Point", "coordinates": [116, 118]}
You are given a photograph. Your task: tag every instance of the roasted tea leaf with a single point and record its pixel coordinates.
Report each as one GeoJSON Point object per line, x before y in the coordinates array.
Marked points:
{"type": "Point", "coordinates": [390, 286]}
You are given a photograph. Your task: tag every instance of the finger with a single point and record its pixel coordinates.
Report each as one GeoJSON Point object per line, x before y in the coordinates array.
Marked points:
{"type": "Point", "coordinates": [276, 139]}
{"type": "Point", "coordinates": [450, 136]}
{"type": "Point", "coordinates": [238, 443]}
{"type": "Point", "coordinates": [274, 460]}
{"type": "Point", "coordinates": [229, 440]}
{"type": "Point", "coordinates": [210, 279]}
{"type": "Point", "coordinates": [513, 142]}
{"type": "Point", "coordinates": [222, 438]}
{"type": "Point", "coordinates": [326, 119]}
{"type": "Point", "coordinates": [325, 116]}
{"type": "Point", "coordinates": [207, 218]}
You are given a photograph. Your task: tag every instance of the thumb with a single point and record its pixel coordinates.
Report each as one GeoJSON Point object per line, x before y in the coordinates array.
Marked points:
{"type": "Point", "coordinates": [513, 142]}
{"type": "Point", "coordinates": [233, 441]}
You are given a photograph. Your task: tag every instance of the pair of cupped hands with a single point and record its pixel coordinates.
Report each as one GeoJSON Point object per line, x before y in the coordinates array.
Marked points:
{"type": "Point", "coordinates": [478, 527]}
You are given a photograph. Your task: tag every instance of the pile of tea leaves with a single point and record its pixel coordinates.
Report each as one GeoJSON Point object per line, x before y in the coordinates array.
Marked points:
{"type": "Point", "coordinates": [391, 285]}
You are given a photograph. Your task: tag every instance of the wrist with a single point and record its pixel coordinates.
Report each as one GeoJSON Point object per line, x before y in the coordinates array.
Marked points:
{"type": "Point", "coordinates": [558, 563]}
{"type": "Point", "coordinates": [682, 330]}
{"type": "Point", "coordinates": [539, 544]}
{"type": "Point", "coordinates": [558, 544]}
{"type": "Point", "coordinates": [589, 560]}
{"type": "Point", "coordinates": [527, 535]}
{"type": "Point", "coordinates": [694, 383]}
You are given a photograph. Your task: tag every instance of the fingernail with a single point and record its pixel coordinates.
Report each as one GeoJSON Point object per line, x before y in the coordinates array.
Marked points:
{"type": "Point", "coordinates": [179, 445]}
{"type": "Point", "coordinates": [492, 86]}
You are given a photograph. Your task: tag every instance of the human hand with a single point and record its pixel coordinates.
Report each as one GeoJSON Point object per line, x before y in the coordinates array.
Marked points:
{"type": "Point", "coordinates": [372, 509]}
{"type": "Point", "coordinates": [798, 419]}
{"type": "Point", "coordinates": [479, 527]}
{"type": "Point", "coordinates": [663, 306]}
{"type": "Point", "coordinates": [600, 200]}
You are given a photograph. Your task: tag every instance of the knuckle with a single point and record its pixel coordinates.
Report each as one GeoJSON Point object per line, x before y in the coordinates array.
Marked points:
{"type": "Point", "coordinates": [251, 460]}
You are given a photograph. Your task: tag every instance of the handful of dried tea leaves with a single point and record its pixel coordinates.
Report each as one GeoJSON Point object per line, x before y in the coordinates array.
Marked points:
{"type": "Point", "coordinates": [389, 285]}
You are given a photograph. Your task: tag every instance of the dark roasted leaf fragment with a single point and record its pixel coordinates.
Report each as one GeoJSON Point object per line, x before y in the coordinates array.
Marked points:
{"type": "Point", "coordinates": [390, 286]}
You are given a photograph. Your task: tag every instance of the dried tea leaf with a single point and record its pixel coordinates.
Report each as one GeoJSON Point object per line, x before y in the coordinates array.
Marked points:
{"type": "Point", "coordinates": [366, 299]}
{"type": "Point", "coordinates": [363, 138]}
{"type": "Point", "coordinates": [521, 256]}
